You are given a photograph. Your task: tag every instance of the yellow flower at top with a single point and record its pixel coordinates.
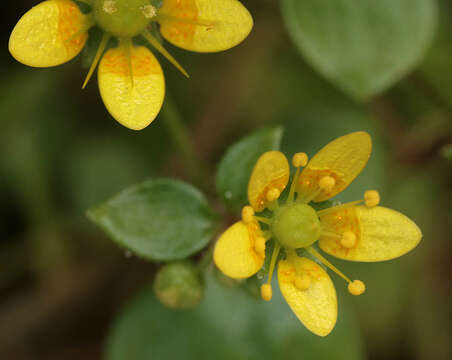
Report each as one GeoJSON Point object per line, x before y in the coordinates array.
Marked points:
{"type": "Point", "coordinates": [130, 78]}
{"type": "Point", "coordinates": [356, 231]}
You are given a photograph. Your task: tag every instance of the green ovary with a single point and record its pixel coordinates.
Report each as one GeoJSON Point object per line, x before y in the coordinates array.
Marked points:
{"type": "Point", "coordinates": [296, 225]}
{"type": "Point", "coordinates": [122, 18]}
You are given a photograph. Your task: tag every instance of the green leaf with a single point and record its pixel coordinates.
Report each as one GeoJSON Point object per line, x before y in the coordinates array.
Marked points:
{"type": "Point", "coordinates": [236, 166]}
{"type": "Point", "coordinates": [158, 219]}
{"type": "Point", "coordinates": [227, 325]}
{"type": "Point", "coordinates": [365, 46]}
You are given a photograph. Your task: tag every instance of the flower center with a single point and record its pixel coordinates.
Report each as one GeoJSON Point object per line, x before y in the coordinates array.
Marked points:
{"type": "Point", "coordinates": [123, 18]}
{"type": "Point", "coordinates": [296, 225]}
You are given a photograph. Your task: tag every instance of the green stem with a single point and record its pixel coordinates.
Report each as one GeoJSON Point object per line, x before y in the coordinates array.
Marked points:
{"type": "Point", "coordinates": [196, 169]}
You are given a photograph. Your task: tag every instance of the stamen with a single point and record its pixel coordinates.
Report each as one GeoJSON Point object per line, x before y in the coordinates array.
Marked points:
{"type": "Point", "coordinates": [348, 240]}
{"type": "Point", "coordinates": [259, 245]}
{"type": "Point", "coordinates": [298, 160]}
{"type": "Point", "coordinates": [266, 292]}
{"type": "Point", "coordinates": [247, 214]}
{"type": "Point", "coordinates": [272, 197]}
{"type": "Point", "coordinates": [330, 234]}
{"type": "Point", "coordinates": [159, 47]}
{"type": "Point", "coordinates": [149, 11]}
{"type": "Point", "coordinates": [100, 51]}
{"type": "Point", "coordinates": [302, 282]}
{"type": "Point", "coordinates": [266, 289]}
{"type": "Point", "coordinates": [326, 183]}
{"type": "Point", "coordinates": [371, 198]}
{"type": "Point", "coordinates": [357, 287]}
{"type": "Point", "coordinates": [273, 194]}
{"type": "Point", "coordinates": [273, 261]}
{"type": "Point", "coordinates": [325, 262]}
{"type": "Point", "coordinates": [292, 186]}
{"type": "Point", "coordinates": [110, 6]}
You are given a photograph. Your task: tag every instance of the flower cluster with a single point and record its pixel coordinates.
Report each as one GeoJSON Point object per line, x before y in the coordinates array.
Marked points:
{"type": "Point", "coordinates": [356, 231]}
{"type": "Point", "coordinates": [131, 81]}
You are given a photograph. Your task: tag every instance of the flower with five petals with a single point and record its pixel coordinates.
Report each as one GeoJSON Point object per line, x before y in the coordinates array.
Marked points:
{"type": "Point", "coordinates": [130, 78]}
{"type": "Point", "coordinates": [356, 231]}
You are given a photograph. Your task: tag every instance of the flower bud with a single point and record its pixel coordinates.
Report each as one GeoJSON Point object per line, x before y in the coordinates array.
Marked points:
{"type": "Point", "coordinates": [178, 285]}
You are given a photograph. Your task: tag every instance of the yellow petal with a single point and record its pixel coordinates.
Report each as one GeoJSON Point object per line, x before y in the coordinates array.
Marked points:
{"type": "Point", "coordinates": [316, 306]}
{"type": "Point", "coordinates": [271, 171]}
{"type": "Point", "coordinates": [133, 105]}
{"type": "Point", "coordinates": [235, 254]}
{"type": "Point", "coordinates": [204, 25]}
{"type": "Point", "coordinates": [343, 159]}
{"type": "Point", "coordinates": [381, 233]}
{"type": "Point", "coordinates": [50, 34]}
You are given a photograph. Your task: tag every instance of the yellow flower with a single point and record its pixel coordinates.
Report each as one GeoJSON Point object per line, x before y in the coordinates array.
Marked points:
{"type": "Point", "coordinates": [356, 231]}
{"type": "Point", "coordinates": [131, 81]}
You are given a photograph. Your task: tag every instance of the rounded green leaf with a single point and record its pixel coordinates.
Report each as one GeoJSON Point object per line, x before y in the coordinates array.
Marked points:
{"type": "Point", "coordinates": [363, 46]}
{"type": "Point", "coordinates": [237, 164]}
{"type": "Point", "coordinates": [228, 324]}
{"type": "Point", "coordinates": [158, 219]}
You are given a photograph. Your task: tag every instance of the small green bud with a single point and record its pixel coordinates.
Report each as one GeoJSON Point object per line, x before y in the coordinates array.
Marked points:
{"type": "Point", "coordinates": [296, 225]}
{"type": "Point", "coordinates": [178, 285]}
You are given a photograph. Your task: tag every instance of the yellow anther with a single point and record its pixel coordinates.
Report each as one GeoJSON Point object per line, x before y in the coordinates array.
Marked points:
{"type": "Point", "coordinates": [273, 194]}
{"type": "Point", "coordinates": [356, 287]}
{"type": "Point", "coordinates": [247, 214]}
{"type": "Point", "coordinates": [259, 245]}
{"type": "Point", "coordinates": [371, 198]}
{"type": "Point", "coordinates": [110, 6]}
{"type": "Point", "coordinates": [302, 282]}
{"type": "Point", "coordinates": [266, 292]}
{"type": "Point", "coordinates": [327, 183]}
{"type": "Point", "coordinates": [300, 159]}
{"type": "Point", "coordinates": [149, 11]}
{"type": "Point", "coordinates": [348, 240]}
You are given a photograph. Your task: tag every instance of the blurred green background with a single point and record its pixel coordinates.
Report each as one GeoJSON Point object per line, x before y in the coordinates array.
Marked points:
{"type": "Point", "coordinates": [63, 282]}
